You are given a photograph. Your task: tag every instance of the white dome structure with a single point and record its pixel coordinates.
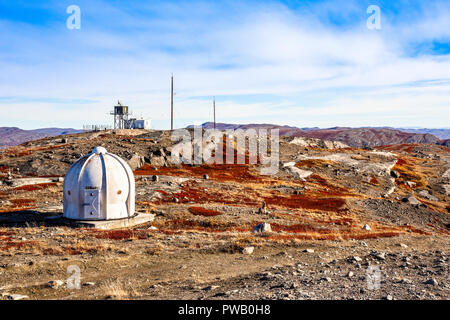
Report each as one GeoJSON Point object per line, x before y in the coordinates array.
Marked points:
{"type": "Point", "coordinates": [99, 186]}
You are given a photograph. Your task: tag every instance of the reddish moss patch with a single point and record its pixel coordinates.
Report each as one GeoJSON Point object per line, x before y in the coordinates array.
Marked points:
{"type": "Point", "coordinates": [219, 172]}
{"type": "Point", "coordinates": [34, 187]}
{"type": "Point", "coordinates": [374, 180]}
{"type": "Point", "coordinates": [163, 192]}
{"type": "Point", "coordinates": [332, 190]}
{"type": "Point", "coordinates": [122, 234]}
{"type": "Point", "coordinates": [8, 245]}
{"type": "Point", "coordinates": [19, 205]}
{"type": "Point", "coordinates": [306, 202]}
{"type": "Point", "coordinates": [200, 211]}
{"type": "Point", "coordinates": [191, 193]}
{"type": "Point", "coordinates": [297, 228]}
{"type": "Point", "coordinates": [205, 226]}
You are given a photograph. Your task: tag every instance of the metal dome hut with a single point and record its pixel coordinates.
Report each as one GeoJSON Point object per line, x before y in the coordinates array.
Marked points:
{"type": "Point", "coordinates": [99, 186]}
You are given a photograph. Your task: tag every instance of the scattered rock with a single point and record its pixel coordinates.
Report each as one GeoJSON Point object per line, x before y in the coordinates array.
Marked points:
{"type": "Point", "coordinates": [379, 255]}
{"type": "Point", "coordinates": [205, 176]}
{"type": "Point", "coordinates": [410, 184]}
{"type": "Point", "coordinates": [248, 250]}
{"type": "Point", "coordinates": [367, 227]}
{"type": "Point", "coordinates": [432, 281]}
{"type": "Point", "coordinates": [395, 174]}
{"type": "Point", "coordinates": [55, 284]}
{"type": "Point", "coordinates": [17, 297]}
{"type": "Point", "coordinates": [263, 209]}
{"type": "Point", "coordinates": [309, 250]}
{"type": "Point", "coordinates": [425, 194]}
{"type": "Point", "coordinates": [411, 200]}
{"type": "Point", "coordinates": [136, 161]}
{"type": "Point", "coordinates": [263, 227]}
{"type": "Point", "coordinates": [89, 284]}
{"type": "Point", "coordinates": [209, 288]}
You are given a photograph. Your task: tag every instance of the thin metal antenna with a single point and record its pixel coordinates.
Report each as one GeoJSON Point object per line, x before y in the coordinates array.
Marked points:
{"type": "Point", "coordinates": [214, 107]}
{"type": "Point", "coordinates": [171, 102]}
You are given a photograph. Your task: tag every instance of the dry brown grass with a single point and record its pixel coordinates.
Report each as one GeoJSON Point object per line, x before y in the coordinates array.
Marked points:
{"type": "Point", "coordinates": [118, 290]}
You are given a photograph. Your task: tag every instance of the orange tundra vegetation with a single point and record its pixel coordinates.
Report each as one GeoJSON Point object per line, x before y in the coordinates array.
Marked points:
{"type": "Point", "coordinates": [200, 211]}
{"type": "Point", "coordinates": [305, 202]}
{"type": "Point", "coordinates": [191, 193]}
{"type": "Point", "coordinates": [206, 226]}
{"type": "Point", "coordinates": [219, 172]}
{"type": "Point", "coordinates": [408, 172]}
{"type": "Point", "coordinates": [35, 187]}
{"type": "Point", "coordinates": [19, 205]}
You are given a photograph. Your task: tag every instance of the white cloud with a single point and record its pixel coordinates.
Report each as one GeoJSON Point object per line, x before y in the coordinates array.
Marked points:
{"type": "Point", "coordinates": [246, 50]}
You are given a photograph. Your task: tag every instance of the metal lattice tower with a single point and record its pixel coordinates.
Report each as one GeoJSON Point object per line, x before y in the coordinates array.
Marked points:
{"type": "Point", "coordinates": [120, 114]}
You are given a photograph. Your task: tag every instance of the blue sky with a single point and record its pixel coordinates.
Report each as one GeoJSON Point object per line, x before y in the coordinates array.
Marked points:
{"type": "Point", "coordinates": [301, 63]}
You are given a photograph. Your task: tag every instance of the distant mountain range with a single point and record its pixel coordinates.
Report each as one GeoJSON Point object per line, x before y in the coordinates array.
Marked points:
{"type": "Point", "coordinates": [355, 137]}
{"type": "Point", "coordinates": [12, 136]}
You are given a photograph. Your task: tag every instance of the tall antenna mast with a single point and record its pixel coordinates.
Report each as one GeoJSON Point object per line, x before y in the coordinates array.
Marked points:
{"type": "Point", "coordinates": [171, 102]}
{"type": "Point", "coordinates": [214, 107]}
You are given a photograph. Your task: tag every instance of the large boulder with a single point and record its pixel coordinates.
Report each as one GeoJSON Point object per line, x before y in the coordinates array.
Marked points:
{"type": "Point", "coordinates": [136, 161]}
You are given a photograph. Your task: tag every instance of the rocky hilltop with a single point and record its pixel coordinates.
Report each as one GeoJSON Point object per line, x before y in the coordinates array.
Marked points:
{"type": "Point", "coordinates": [355, 137]}
{"type": "Point", "coordinates": [313, 230]}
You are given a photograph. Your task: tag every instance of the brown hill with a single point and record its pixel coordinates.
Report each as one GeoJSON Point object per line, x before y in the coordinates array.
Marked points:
{"type": "Point", "coordinates": [12, 136]}
{"type": "Point", "coordinates": [355, 137]}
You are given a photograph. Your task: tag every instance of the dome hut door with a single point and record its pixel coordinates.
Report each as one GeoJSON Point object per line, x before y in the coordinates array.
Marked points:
{"type": "Point", "coordinates": [91, 203]}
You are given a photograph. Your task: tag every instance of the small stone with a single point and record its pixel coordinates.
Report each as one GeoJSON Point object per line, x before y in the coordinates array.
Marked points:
{"type": "Point", "coordinates": [405, 281]}
{"type": "Point", "coordinates": [432, 281]}
{"type": "Point", "coordinates": [55, 284]}
{"type": "Point", "coordinates": [388, 297]}
{"type": "Point", "coordinates": [263, 227]}
{"type": "Point", "coordinates": [17, 297]}
{"type": "Point", "coordinates": [412, 200]}
{"type": "Point", "coordinates": [403, 245]}
{"type": "Point", "coordinates": [327, 279]}
{"type": "Point", "coordinates": [309, 250]}
{"type": "Point", "coordinates": [395, 174]}
{"type": "Point", "coordinates": [89, 284]}
{"type": "Point", "coordinates": [155, 178]}
{"type": "Point", "coordinates": [367, 227]}
{"type": "Point", "coordinates": [379, 255]}
{"type": "Point", "coordinates": [364, 244]}
{"type": "Point", "coordinates": [410, 184]}
{"type": "Point", "coordinates": [350, 274]}
{"type": "Point", "coordinates": [248, 250]}
{"type": "Point", "coordinates": [356, 259]}
{"type": "Point", "coordinates": [209, 288]}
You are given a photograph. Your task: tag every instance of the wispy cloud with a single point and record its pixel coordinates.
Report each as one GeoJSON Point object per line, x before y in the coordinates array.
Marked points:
{"type": "Point", "coordinates": [297, 63]}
